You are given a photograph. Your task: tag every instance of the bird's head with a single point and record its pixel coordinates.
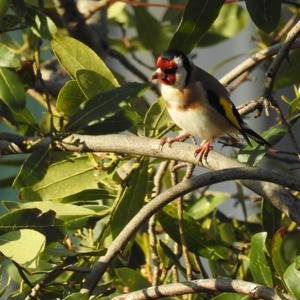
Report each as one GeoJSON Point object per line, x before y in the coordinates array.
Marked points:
{"type": "Point", "coordinates": [173, 68]}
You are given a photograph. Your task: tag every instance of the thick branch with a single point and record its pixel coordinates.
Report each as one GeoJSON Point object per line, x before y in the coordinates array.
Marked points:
{"type": "Point", "coordinates": [166, 197]}
{"type": "Point", "coordinates": [251, 289]}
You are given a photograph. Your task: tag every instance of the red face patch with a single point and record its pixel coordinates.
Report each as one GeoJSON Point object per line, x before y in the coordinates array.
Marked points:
{"type": "Point", "coordinates": [165, 64]}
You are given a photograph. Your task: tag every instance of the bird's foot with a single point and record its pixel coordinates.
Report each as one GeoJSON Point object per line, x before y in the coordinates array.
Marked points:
{"type": "Point", "coordinates": [171, 140]}
{"type": "Point", "coordinates": [204, 149]}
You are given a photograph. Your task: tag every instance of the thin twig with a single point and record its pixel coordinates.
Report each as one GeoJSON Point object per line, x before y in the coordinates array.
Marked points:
{"type": "Point", "coordinates": [271, 76]}
{"type": "Point", "coordinates": [251, 289]}
{"type": "Point", "coordinates": [254, 60]}
{"type": "Point", "coordinates": [151, 226]}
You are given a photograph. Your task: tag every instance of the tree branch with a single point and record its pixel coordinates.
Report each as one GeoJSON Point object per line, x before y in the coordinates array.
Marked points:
{"type": "Point", "coordinates": [253, 60]}
{"type": "Point", "coordinates": [251, 289]}
{"type": "Point", "coordinates": [169, 195]}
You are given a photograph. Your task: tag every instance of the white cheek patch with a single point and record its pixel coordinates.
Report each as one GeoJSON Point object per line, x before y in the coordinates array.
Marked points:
{"type": "Point", "coordinates": [181, 74]}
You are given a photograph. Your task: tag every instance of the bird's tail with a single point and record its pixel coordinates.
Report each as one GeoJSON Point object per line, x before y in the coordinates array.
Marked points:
{"type": "Point", "coordinates": [255, 136]}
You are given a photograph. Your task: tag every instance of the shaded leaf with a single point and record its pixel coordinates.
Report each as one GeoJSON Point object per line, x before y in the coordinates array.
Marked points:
{"type": "Point", "coordinates": [278, 261]}
{"type": "Point", "coordinates": [151, 33]}
{"type": "Point", "coordinates": [74, 56]}
{"type": "Point", "coordinates": [70, 97]}
{"type": "Point", "coordinates": [264, 13]}
{"type": "Point", "coordinates": [105, 105]}
{"type": "Point", "coordinates": [4, 4]}
{"type": "Point", "coordinates": [64, 178]}
{"type": "Point", "coordinates": [23, 246]}
{"type": "Point", "coordinates": [33, 169]}
{"type": "Point", "coordinates": [198, 240]}
{"type": "Point", "coordinates": [32, 219]}
{"type": "Point", "coordinates": [132, 279]}
{"type": "Point", "coordinates": [131, 199]}
{"type": "Point", "coordinates": [231, 20]}
{"type": "Point", "coordinates": [288, 73]}
{"type": "Point", "coordinates": [41, 25]}
{"type": "Point", "coordinates": [292, 279]}
{"type": "Point", "coordinates": [207, 204]}
{"type": "Point", "coordinates": [12, 91]}
{"type": "Point", "coordinates": [271, 217]}
{"type": "Point", "coordinates": [7, 57]}
{"type": "Point", "coordinates": [259, 265]}
{"type": "Point", "coordinates": [197, 18]}
{"type": "Point", "coordinates": [74, 216]}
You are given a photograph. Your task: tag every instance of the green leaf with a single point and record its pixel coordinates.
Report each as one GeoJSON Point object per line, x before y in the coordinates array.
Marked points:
{"type": "Point", "coordinates": [252, 155]}
{"type": "Point", "coordinates": [74, 56]}
{"type": "Point", "coordinates": [259, 265]}
{"type": "Point", "coordinates": [131, 199]}
{"type": "Point", "coordinates": [64, 178]}
{"type": "Point", "coordinates": [151, 32]}
{"type": "Point", "coordinates": [12, 91]}
{"type": "Point", "coordinates": [157, 119]}
{"type": "Point", "coordinates": [271, 217]}
{"type": "Point", "coordinates": [33, 169]}
{"type": "Point", "coordinates": [74, 216]}
{"type": "Point", "coordinates": [231, 20]}
{"type": "Point", "coordinates": [264, 13]}
{"type": "Point", "coordinates": [292, 279]}
{"type": "Point", "coordinates": [77, 296]}
{"type": "Point", "coordinates": [32, 219]}
{"type": "Point", "coordinates": [207, 204]}
{"type": "Point", "coordinates": [132, 279]}
{"type": "Point", "coordinates": [288, 73]}
{"type": "Point", "coordinates": [7, 57]}
{"type": "Point", "coordinates": [198, 240]}
{"type": "Point", "coordinates": [4, 4]}
{"type": "Point", "coordinates": [105, 105]}
{"type": "Point", "coordinates": [41, 25]}
{"type": "Point", "coordinates": [23, 246]}
{"type": "Point", "coordinates": [92, 83]}
{"type": "Point", "coordinates": [197, 18]}
{"type": "Point", "coordinates": [70, 97]}
{"type": "Point", "coordinates": [278, 261]}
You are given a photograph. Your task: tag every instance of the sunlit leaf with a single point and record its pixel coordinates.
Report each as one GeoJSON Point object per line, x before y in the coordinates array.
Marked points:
{"type": "Point", "coordinates": [259, 265]}
{"type": "Point", "coordinates": [12, 91]}
{"type": "Point", "coordinates": [7, 57]}
{"type": "Point", "coordinates": [292, 279]}
{"type": "Point", "coordinates": [70, 97]}
{"type": "Point", "coordinates": [105, 105]}
{"type": "Point", "coordinates": [197, 18]}
{"type": "Point", "coordinates": [74, 56]}
{"type": "Point", "coordinates": [64, 178]}
{"type": "Point", "coordinates": [23, 246]}
{"type": "Point", "coordinates": [207, 204]}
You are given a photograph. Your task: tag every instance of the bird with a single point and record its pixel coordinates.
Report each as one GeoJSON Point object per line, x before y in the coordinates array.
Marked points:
{"type": "Point", "coordinates": [198, 103]}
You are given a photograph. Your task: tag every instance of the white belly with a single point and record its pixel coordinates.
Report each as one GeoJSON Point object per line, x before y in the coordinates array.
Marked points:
{"type": "Point", "coordinates": [196, 122]}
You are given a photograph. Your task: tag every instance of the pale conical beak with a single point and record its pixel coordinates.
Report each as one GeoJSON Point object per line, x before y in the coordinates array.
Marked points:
{"type": "Point", "coordinates": [158, 74]}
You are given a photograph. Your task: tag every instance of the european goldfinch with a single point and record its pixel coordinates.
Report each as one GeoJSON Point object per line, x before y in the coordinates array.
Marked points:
{"type": "Point", "coordinates": [198, 103]}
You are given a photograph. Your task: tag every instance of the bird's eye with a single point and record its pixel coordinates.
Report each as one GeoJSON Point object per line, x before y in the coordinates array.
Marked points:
{"type": "Point", "coordinates": [169, 71]}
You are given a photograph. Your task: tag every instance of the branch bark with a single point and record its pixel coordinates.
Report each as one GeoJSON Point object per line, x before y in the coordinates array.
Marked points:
{"type": "Point", "coordinates": [253, 290]}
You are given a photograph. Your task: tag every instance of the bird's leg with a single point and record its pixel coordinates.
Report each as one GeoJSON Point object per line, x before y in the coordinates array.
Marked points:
{"type": "Point", "coordinates": [204, 149]}
{"type": "Point", "coordinates": [170, 140]}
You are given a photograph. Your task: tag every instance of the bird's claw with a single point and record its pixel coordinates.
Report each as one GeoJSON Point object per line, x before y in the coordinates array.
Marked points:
{"type": "Point", "coordinates": [203, 150]}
